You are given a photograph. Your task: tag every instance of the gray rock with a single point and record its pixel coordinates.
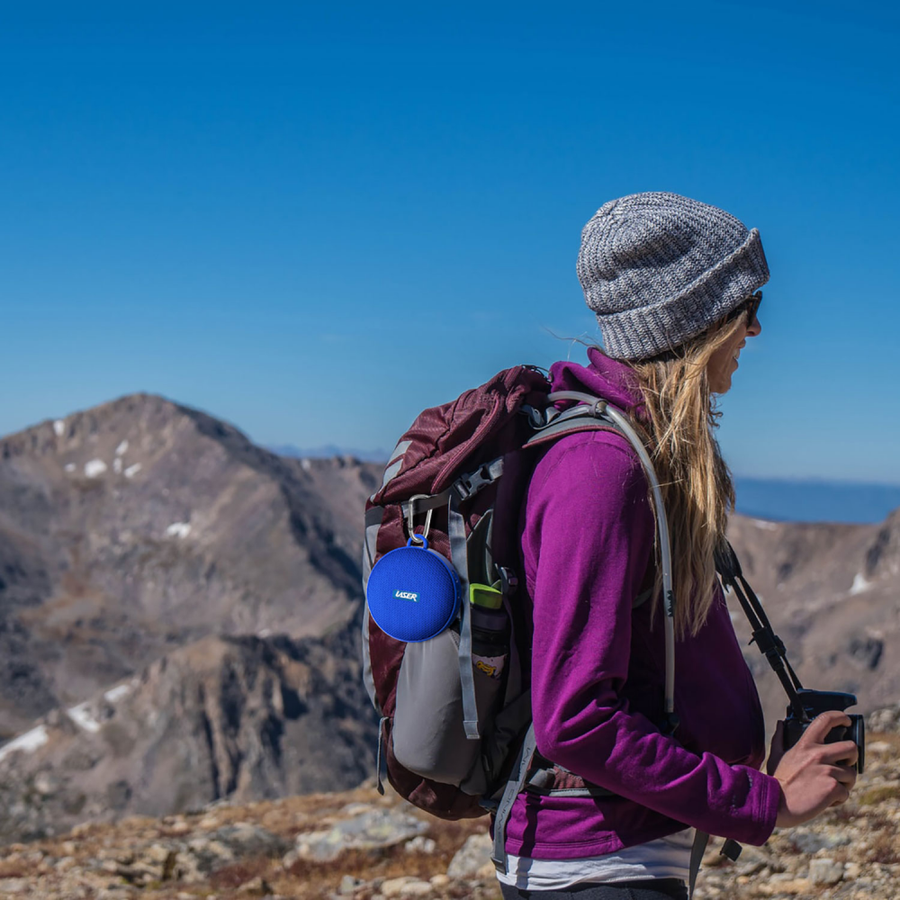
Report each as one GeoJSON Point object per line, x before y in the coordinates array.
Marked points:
{"type": "Point", "coordinates": [365, 831]}
{"type": "Point", "coordinates": [405, 886]}
{"type": "Point", "coordinates": [349, 884]}
{"type": "Point", "coordinates": [256, 887]}
{"type": "Point", "coordinates": [245, 839]}
{"type": "Point", "coordinates": [421, 844]}
{"type": "Point", "coordinates": [884, 720]}
{"type": "Point", "coordinates": [825, 871]}
{"type": "Point", "coordinates": [209, 855]}
{"type": "Point", "coordinates": [808, 841]}
{"type": "Point", "coordinates": [473, 857]}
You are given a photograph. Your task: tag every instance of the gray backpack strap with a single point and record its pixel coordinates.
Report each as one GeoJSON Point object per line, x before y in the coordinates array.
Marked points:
{"type": "Point", "coordinates": [701, 839]}
{"type": "Point", "coordinates": [513, 788]}
{"type": "Point", "coordinates": [462, 489]}
{"type": "Point", "coordinates": [456, 529]}
{"type": "Point", "coordinates": [374, 517]}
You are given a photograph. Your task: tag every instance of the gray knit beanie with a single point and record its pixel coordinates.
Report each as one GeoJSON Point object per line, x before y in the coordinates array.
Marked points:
{"type": "Point", "coordinates": [658, 269]}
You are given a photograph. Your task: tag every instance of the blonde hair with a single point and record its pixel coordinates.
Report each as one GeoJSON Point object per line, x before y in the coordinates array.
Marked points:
{"type": "Point", "coordinates": [697, 488]}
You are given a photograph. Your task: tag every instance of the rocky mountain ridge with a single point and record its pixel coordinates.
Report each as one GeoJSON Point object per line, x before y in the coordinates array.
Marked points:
{"type": "Point", "coordinates": [179, 618]}
{"type": "Point", "coordinates": [141, 526]}
{"type": "Point", "coordinates": [832, 592]}
{"type": "Point", "coordinates": [243, 718]}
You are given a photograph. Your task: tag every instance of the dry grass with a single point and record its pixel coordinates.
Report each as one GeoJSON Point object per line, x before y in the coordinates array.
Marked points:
{"type": "Point", "coordinates": [12, 868]}
{"type": "Point", "coordinates": [878, 794]}
{"type": "Point", "coordinates": [318, 879]}
{"type": "Point", "coordinates": [305, 880]}
{"type": "Point", "coordinates": [239, 873]}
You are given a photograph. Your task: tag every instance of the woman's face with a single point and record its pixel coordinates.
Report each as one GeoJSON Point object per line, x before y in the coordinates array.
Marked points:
{"type": "Point", "coordinates": [724, 362]}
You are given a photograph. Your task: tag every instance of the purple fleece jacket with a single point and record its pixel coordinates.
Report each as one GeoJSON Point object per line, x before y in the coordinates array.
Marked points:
{"type": "Point", "coordinates": [597, 668]}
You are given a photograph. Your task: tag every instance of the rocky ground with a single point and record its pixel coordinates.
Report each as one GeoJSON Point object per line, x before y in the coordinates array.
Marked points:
{"type": "Point", "coordinates": [361, 846]}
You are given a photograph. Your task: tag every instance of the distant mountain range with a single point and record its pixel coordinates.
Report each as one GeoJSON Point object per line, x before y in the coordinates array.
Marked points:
{"type": "Point", "coordinates": [815, 501]}
{"type": "Point", "coordinates": [329, 451]}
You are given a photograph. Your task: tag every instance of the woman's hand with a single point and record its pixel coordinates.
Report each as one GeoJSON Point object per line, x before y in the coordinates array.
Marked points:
{"type": "Point", "coordinates": [813, 775]}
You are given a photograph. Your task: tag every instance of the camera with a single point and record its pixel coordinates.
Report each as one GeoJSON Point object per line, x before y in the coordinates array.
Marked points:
{"type": "Point", "coordinates": [813, 703]}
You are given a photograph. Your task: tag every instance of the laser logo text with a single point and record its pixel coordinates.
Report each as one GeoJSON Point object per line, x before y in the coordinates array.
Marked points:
{"type": "Point", "coordinates": [406, 595]}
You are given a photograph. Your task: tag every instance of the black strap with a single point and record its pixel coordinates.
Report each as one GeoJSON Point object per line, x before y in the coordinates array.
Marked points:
{"type": "Point", "coordinates": [769, 644]}
{"type": "Point", "coordinates": [698, 848]}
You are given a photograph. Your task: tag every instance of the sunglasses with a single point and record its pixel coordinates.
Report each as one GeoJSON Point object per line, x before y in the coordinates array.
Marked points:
{"type": "Point", "coordinates": [750, 307]}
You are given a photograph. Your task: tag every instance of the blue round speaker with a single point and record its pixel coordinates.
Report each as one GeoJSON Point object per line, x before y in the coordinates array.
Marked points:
{"type": "Point", "coordinates": [413, 593]}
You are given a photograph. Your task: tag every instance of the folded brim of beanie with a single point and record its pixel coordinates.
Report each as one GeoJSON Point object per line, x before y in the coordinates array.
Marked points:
{"type": "Point", "coordinates": [646, 331]}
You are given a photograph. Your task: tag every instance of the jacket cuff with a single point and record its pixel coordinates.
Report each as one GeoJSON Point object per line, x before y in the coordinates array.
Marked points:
{"type": "Point", "coordinates": [769, 789]}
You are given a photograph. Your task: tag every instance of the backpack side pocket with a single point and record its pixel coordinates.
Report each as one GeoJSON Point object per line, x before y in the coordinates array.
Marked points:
{"type": "Point", "coordinates": [428, 733]}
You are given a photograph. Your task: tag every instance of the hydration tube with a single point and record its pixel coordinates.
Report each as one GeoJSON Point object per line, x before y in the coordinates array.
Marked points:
{"type": "Point", "coordinates": [600, 408]}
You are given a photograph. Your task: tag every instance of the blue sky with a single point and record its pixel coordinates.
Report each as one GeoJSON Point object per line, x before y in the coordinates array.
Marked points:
{"type": "Point", "coordinates": [315, 219]}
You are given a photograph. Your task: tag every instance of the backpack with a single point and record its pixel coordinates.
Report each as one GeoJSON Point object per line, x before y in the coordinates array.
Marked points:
{"type": "Point", "coordinates": [455, 733]}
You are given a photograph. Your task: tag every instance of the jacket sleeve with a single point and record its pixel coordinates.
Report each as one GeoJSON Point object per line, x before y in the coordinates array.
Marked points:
{"type": "Point", "coordinates": [588, 535]}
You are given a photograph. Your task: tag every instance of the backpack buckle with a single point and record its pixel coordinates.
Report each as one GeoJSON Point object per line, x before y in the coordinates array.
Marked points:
{"type": "Point", "coordinates": [537, 418]}
{"type": "Point", "coordinates": [509, 581]}
{"type": "Point", "coordinates": [468, 485]}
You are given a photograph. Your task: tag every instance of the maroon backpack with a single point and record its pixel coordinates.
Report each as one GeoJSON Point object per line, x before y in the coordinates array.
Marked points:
{"type": "Point", "coordinates": [454, 709]}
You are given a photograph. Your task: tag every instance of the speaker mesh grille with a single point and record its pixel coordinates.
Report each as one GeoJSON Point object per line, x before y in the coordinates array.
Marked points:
{"type": "Point", "coordinates": [413, 594]}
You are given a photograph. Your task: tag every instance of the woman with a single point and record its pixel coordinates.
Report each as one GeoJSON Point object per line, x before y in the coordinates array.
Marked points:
{"type": "Point", "coordinates": [674, 284]}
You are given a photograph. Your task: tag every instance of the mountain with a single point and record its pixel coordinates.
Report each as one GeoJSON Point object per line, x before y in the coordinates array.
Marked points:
{"type": "Point", "coordinates": [179, 618]}
{"type": "Point", "coordinates": [241, 718]}
{"type": "Point", "coordinates": [141, 526]}
{"type": "Point", "coordinates": [832, 592]}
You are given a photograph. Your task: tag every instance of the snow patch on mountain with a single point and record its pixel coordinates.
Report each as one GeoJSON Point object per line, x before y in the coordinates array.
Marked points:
{"type": "Point", "coordinates": [27, 742]}
{"type": "Point", "coordinates": [82, 717]}
{"type": "Point", "coordinates": [94, 469]}
{"type": "Point", "coordinates": [860, 584]}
